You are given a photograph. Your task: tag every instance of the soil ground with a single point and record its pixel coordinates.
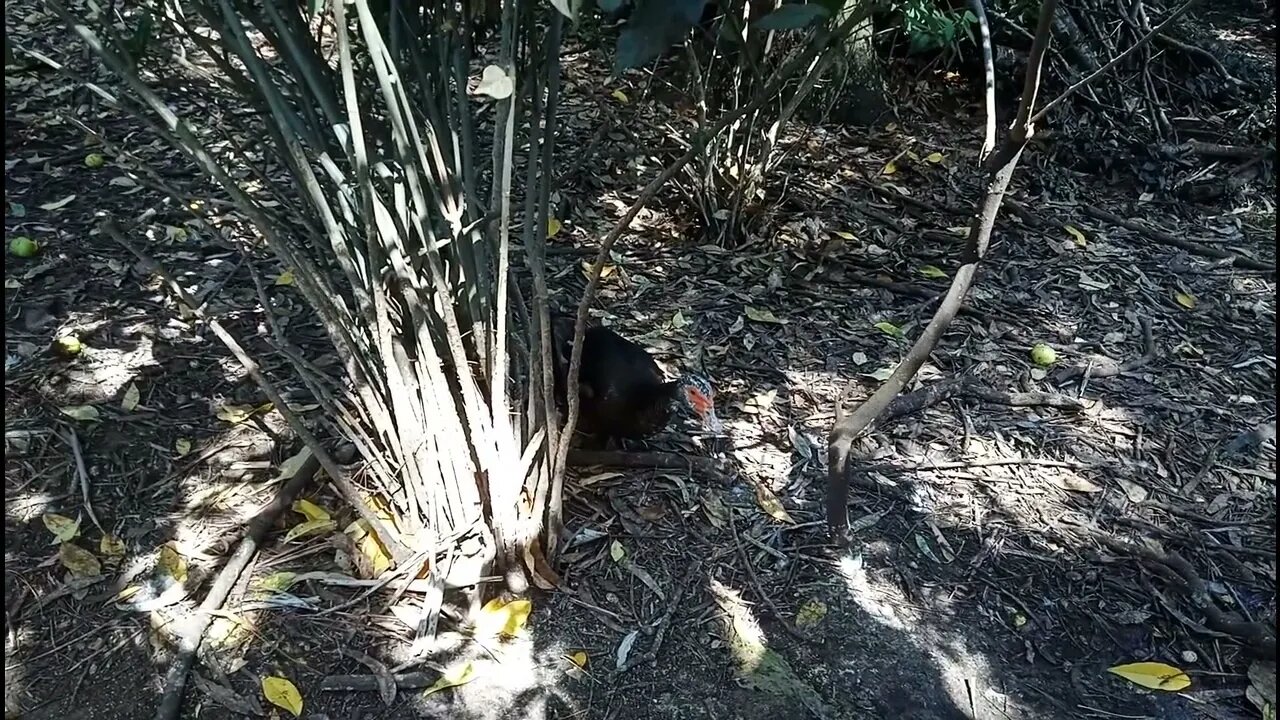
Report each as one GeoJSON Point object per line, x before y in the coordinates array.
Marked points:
{"type": "Point", "coordinates": [979, 587]}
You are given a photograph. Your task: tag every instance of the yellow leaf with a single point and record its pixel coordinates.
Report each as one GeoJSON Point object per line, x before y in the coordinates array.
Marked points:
{"type": "Point", "coordinates": [616, 551]}
{"type": "Point", "coordinates": [1186, 300]}
{"type": "Point", "coordinates": [285, 278]}
{"type": "Point", "coordinates": [62, 527]}
{"type": "Point", "coordinates": [111, 546]}
{"type": "Point", "coordinates": [889, 168]}
{"type": "Point", "coordinates": [131, 397]}
{"type": "Point", "coordinates": [1076, 234]}
{"type": "Point", "coordinates": [678, 321]}
{"type": "Point", "coordinates": [499, 618]}
{"type": "Point", "coordinates": [172, 562]}
{"type": "Point", "coordinates": [373, 549]}
{"type": "Point", "coordinates": [553, 227]}
{"type": "Point", "coordinates": [277, 581]}
{"type": "Point", "coordinates": [182, 446]}
{"type": "Point", "coordinates": [932, 271]}
{"type": "Point", "coordinates": [79, 561]}
{"type": "Point", "coordinates": [1153, 675]}
{"type": "Point", "coordinates": [309, 527]}
{"type": "Point", "coordinates": [282, 694]}
{"type": "Point", "coordinates": [458, 674]}
{"type": "Point", "coordinates": [605, 270]}
{"type": "Point", "coordinates": [772, 505]}
{"type": "Point", "coordinates": [934, 158]}
{"type": "Point", "coordinates": [763, 316]}
{"type": "Point", "coordinates": [84, 413]}
{"type": "Point", "coordinates": [844, 235]}
{"type": "Point", "coordinates": [310, 510]}
{"type": "Point", "coordinates": [811, 613]}
{"type": "Point", "coordinates": [578, 658]}
{"type": "Point", "coordinates": [620, 96]}
{"type": "Point", "coordinates": [889, 329]}
{"type": "Point", "coordinates": [235, 414]}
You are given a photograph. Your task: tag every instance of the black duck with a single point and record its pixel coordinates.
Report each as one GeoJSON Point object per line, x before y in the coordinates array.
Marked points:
{"type": "Point", "coordinates": [621, 390]}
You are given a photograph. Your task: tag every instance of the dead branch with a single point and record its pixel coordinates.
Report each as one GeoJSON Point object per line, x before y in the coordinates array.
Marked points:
{"type": "Point", "coordinates": [1165, 238]}
{"type": "Point", "coordinates": [716, 469]}
{"type": "Point", "coordinates": [1000, 168]}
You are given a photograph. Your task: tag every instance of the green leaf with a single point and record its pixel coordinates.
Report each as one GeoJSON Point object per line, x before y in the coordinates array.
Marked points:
{"type": "Point", "coordinates": [654, 27]}
{"type": "Point", "coordinates": [889, 329]}
{"type": "Point", "coordinates": [793, 17]}
{"type": "Point", "coordinates": [932, 271]}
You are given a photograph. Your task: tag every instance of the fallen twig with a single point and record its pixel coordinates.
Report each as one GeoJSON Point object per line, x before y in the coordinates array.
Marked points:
{"type": "Point", "coordinates": [1165, 238]}
{"type": "Point", "coordinates": [82, 473]}
{"type": "Point", "coordinates": [175, 681]}
{"type": "Point", "coordinates": [718, 469]}
{"type": "Point", "coordinates": [650, 655]}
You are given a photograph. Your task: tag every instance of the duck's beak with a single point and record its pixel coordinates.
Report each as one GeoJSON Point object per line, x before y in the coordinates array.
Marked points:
{"type": "Point", "coordinates": [712, 422]}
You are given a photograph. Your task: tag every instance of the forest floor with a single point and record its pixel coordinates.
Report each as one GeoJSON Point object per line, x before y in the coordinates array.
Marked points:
{"type": "Point", "coordinates": [994, 576]}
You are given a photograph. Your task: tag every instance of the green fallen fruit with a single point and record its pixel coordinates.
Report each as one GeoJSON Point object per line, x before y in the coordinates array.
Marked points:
{"type": "Point", "coordinates": [23, 247]}
{"type": "Point", "coordinates": [94, 160]}
{"type": "Point", "coordinates": [68, 345]}
{"type": "Point", "coordinates": [1043, 355]}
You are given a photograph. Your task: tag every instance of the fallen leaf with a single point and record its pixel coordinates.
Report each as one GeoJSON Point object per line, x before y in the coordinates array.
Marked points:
{"type": "Point", "coordinates": [553, 227]}
{"type": "Point", "coordinates": [131, 397]}
{"type": "Point", "coordinates": [578, 658]}
{"type": "Point", "coordinates": [235, 414]}
{"type": "Point", "coordinates": [495, 83]}
{"type": "Point", "coordinates": [1075, 234]}
{"type": "Point", "coordinates": [882, 374]}
{"type": "Point", "coordinates": [932, 271]}
{"type": "Point", "coordinates": [111, 546]}
{"type": "Point", "coordinates": [1074, 483]}
{"type": "Point", "coordinates": [678, 321]}
{"type": "Point", "coordinates": [889, 168]}
{"type": "Point", "coordinates": [458, 674]}
{"type": "Point", "coordinates": [283, 694]}
{"type": "Point", "coordinates": [1153, 675]}
{"type": "Point", "coordinates": [616, 551]}
{"type": "Point", "coordinates": [620, 96]}
{"type": "Point", "coordinates": [85, 413]}
{"type": "Point", "coordinates": [276, 582]}
{"type": "Point", "coordinates": [811, 613]}
{"type": "Point", "coordinates": [934, 158]}
{"type": "Point", "coordinates": [182, 446]}
{"type": "Point", "coordinates": [59, 204]}
{"type": "Point", "coordinates": [499, 618]}
{"type": "Point", "coordinates": [844, 235]}
{"type": "Point", "coordinates": [309, 527]}
{"type": "Point", "coordinates": [624, 648]}
{"type": "Point", "coordinates": [889, 329]}
{"type": "Point", "coordinates": [310, 510]}
{"type": "Point", "coordinates": [285, 278]}
{"type": "Point", "coordinates": [64, 529]}
{"type": "Point", "coordinates": [772, 505]}
{"type": "Point", "coordinates": [1186, 300]}
{"type": "Point", "coordinates": [172, 562]}
{"type": "Point", "coordinates": [79, 561]}
{"type": "Point", "coordinates": [763, 316]}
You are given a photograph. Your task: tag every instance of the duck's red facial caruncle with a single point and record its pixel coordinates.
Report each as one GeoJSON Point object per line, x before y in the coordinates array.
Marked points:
{"type": "Point", "coordinates": [700, 398]}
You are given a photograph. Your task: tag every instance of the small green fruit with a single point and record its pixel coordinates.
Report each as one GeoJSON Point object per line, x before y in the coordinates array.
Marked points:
{"type": "Point", "coordinates": [23, 247]}
{"type": "Point", "coordinates": [1043, 355]}
{"type": "Point", "coordinates": [94, 160]}
{"type": "Point", "coordinates": [68, 345]}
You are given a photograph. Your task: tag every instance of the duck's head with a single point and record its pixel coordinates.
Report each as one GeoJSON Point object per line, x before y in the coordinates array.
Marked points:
{"type": "Point", "coordinates": [694, 394]}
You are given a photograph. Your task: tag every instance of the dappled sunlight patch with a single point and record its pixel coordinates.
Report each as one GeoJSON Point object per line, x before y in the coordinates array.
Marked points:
{"type": "Point", "coordinates": [756, 664]}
